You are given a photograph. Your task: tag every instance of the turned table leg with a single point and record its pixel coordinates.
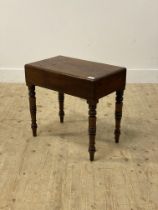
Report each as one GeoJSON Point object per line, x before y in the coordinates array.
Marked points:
{"type": "Point", "coordinates": [118, 114]}
{"type": "Point", "coordinates": [92, 129]}
{"type": "Point", "coordinates": [61, 106]}
{"type": "Point", "coordinates": [32, 103]}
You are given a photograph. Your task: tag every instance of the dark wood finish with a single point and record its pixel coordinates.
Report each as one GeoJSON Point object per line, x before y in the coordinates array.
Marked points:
{"type": "Point", "coordinates": [92, 128]}
{"type": "Point", "coordinates": [84, 79]}
{"type": "Point", "coordinates": [61, 106]}
{"type": "Point", "coordinates": [118, 114]}
{"type": "Point", "coordinates": [32, 103]}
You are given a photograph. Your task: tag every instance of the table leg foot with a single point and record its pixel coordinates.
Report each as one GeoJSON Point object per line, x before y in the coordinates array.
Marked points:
{"type": "Point", "coordinates": [91, 155]}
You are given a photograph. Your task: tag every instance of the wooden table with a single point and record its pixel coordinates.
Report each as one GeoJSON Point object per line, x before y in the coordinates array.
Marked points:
{"type": "Point", "coordinates": [84, 79]}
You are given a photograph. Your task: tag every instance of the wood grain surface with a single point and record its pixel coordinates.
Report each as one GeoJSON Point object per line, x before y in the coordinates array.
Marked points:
{"type": "Point", "coordinates": [75, 67]}
{"type": "Point", "coordinates": [53, 172]}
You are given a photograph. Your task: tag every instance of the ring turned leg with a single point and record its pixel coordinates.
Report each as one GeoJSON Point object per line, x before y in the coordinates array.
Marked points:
{"type": "Point", "coordinates": [61, 106]}
{"type": "Point", "coordinates": [118, 114]}
{"type": "Point", "coordinates": [92, 129]}
{"type": "Point", "coordinates": [32, 102]}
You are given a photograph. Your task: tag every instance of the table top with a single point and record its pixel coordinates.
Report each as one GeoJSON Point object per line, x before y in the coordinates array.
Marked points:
{"type": "Point", "coordinates": [76, 67]}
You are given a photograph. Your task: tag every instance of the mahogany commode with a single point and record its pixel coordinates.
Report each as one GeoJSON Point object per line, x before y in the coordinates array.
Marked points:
{"type": "Point", "coordinates": [84, 79]}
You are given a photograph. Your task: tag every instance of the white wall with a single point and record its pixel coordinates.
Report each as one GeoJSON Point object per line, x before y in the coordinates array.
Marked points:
{"type": "Point", "coordinates": [120, 32]}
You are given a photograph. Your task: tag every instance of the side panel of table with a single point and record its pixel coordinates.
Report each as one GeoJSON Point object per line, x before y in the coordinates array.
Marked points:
{"type": "Point", "coordinates": [62, 83]}
{"type": "Point", "coordinates": [110, 84]}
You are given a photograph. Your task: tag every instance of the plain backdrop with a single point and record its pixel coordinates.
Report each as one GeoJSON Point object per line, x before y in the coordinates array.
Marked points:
{"type": "Point", "coordinates": [117, 32]}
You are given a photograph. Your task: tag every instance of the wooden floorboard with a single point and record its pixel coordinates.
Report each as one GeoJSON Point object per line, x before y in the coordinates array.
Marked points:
{"type": "Point", "coordinates": [53, 172]}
